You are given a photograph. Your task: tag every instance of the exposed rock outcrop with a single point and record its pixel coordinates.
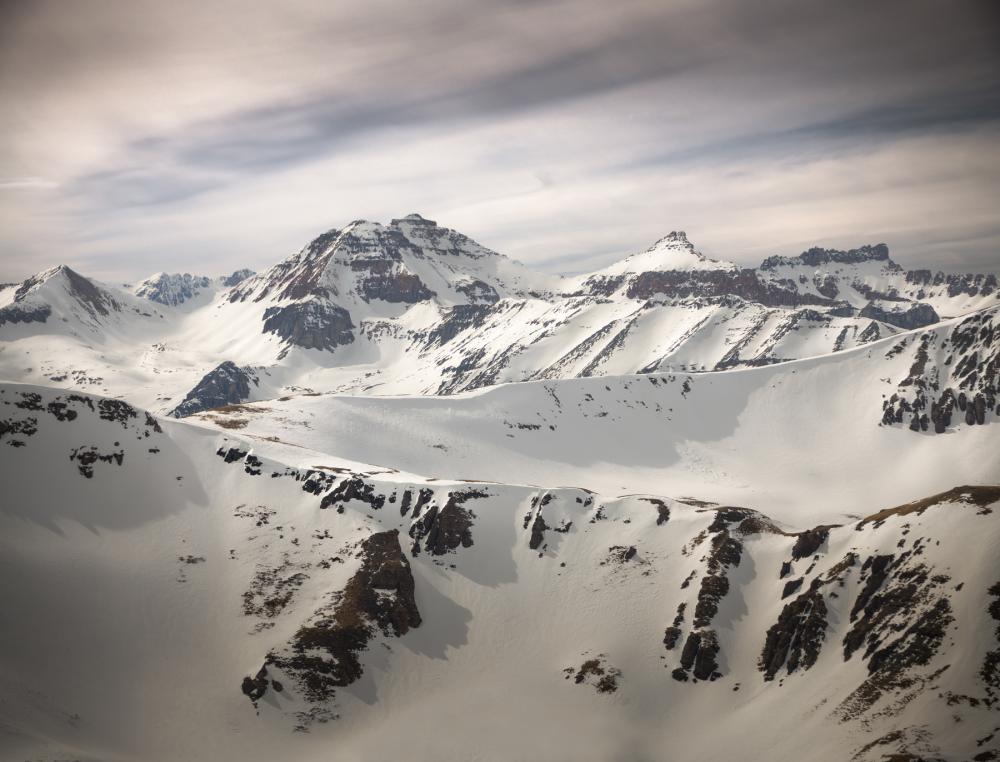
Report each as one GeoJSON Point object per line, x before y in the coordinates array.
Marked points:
{"type": "Point", "coordinates": [237, 277]}
{"type": "Point", "coordinates": [172, 289]}
{"type": "Point", "coordinates": [964, 387]}
{"type": "Point", "coordinates": [909, 315]}
{"type": "Point", "coordinates": [325, 653]}
{"type": "Point", "coordinates": [441, 530]}
{"type": "Point", "coordinates": [226, 384]}
{"type": "Point", "coordinates": [310, 325]}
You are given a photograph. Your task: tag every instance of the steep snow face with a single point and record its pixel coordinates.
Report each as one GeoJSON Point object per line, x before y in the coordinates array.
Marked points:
{"type": "Point", "coordinates": [263, 588]}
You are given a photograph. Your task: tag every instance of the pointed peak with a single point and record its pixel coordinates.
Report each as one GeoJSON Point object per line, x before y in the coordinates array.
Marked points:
{"type": "Point", "coordinates": [673, 252]}
{"type": "Point", "coordinates": [65, 272]}
{"type": "Point", "coordinates": [63, 279]}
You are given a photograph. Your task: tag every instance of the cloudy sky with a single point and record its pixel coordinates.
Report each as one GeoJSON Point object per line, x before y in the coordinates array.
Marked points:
{"type": "Point", "coordinates": [202, 136]}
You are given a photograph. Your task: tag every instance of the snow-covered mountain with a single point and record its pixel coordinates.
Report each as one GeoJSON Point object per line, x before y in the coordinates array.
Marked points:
{"type": "Point", "coordinates": [715, 512]}
{"type": "Point", "coordinates": [413, 307]}
{"type": "Point", "coordinates": [616, 607]}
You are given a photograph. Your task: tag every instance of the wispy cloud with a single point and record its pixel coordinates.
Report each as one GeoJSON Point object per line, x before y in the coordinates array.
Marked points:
{"type": "Point", "coordinates": [213, 135]}
{"type": "Point", "coordinates": [26, 183]}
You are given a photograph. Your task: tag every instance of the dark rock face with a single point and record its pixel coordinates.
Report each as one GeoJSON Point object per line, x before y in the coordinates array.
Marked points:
{"type": "Point", "coordinates": [386, 280]}
{"type": "Point", "coordinates": [979, 284]}
{"type": "Point", "coordinates": [796, 638]}
{"type": "Point", "coordinates": [827, 286]}
{"type": "Point", "coordinates": [702, 646]}
{"type": "Point", "coordinates": [16, 313]}
{"type": "Point", "coordinates": [726, 552]}
{"type": "Point", "coordinates": [237, 277]}
{"type": "Point", "coordinates": [118, 411]}
{"type": "Point", "coordinates": [424, 496]}
{"type": "Point", "coordinates": [310, 325]}
{"type": "Point", "coordinates": [699, 656]}
{"type": "Point", "coordinates": [745, 283]}
{"type": "Point", "coordinates": [324, 654]}
{"type": "Point", "coordinates": [354, 488]}
{"type": "Point", "coordinates": [478, 292]}
{"type": "Point", "coordinates": [538, 527]}
{"type": "Point", "coordinates": [900, 618]}
{"type": "Point", "coordinates": [713, 589]}
{"type": "Point", "coordinates": [791, 587]}
{"type": "Point", "coordinates": [816, 256]}
{"type": "Point", "coordinates": [231, 455]}
{"type": "Point", "coordinates": [255, 687]}
{"type": "Point", "coordinates": [916, 315]}
{"type": "Point", "coordinates": [227, 384]}
{"type": "Point", "coordinates": [445, 529]}
{"type": "Point", "coordinates": [672, 634]}
{"type": "Point", "coordinates": [670, 637]}
{"type": "Point", "coordinates": [810, 541]}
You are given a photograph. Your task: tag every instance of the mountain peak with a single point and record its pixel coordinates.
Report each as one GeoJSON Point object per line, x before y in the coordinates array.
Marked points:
{"type": "Point", "coordinates": [673, 252]}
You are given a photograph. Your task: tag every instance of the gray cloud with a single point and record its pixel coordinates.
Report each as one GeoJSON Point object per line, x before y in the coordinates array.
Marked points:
{"type": "Point", "coordinates": [168, 135]}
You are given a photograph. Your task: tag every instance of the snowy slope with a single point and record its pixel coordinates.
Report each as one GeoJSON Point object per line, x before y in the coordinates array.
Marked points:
{"type": "Point", "coordinates": [379, 602]}
{"type": "Point", "coordinates": [761, 438]}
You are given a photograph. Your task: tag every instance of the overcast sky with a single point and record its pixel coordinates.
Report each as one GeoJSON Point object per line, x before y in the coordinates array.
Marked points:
{"type": "Point", "coordinates": [202, 136]}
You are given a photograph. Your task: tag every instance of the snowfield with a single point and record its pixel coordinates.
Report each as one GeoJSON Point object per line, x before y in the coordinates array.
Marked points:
{"type": "Point", "coordinates": [398, 495]}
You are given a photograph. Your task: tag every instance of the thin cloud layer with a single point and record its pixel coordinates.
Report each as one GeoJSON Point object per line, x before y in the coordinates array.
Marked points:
{"type": "Point", "coordinates": [208, 136]}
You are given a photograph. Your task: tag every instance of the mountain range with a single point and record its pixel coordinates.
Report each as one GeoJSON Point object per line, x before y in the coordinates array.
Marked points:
{"type": "Point", "coordinates": [401, 495]}
{"type": "Point", "coordinates": [415, 308]}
